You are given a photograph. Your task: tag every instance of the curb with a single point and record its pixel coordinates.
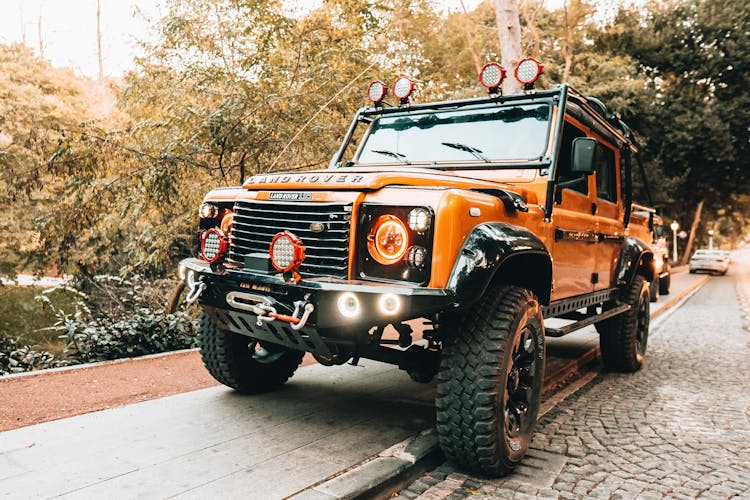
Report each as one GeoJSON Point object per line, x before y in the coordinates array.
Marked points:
{"type": "Point", "coordinates": [86, 366]}
{"type": "Point", "coordinates": [380, 476]}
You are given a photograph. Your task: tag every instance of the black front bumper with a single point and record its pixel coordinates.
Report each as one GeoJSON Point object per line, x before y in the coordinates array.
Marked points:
{"type": "Point", "coordinates": [326, 325]}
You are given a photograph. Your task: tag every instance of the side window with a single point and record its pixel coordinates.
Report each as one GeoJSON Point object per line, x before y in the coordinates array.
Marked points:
{"type": "Point", "coordinates": [606, 184]}
{"type": "Point", "coordinates": [566, 179]}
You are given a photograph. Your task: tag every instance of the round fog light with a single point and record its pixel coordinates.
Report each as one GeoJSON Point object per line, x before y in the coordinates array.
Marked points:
{"type": "Point", "coordinates": [419, 220]}
{"type": "Point", "coordinates": [213, 245]}
{"type": "Point", "coordinates": [389, 303]}
{"type": "Point", "coordinates": [286, 251]}
{"type": "Point", "coordinates": [416, 256]}
{"type": "Point", "coordinates": [348, 304]}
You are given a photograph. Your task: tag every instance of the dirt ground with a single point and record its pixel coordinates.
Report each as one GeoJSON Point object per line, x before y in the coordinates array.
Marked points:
{"type": "Point", "coordinates": [51, 395]}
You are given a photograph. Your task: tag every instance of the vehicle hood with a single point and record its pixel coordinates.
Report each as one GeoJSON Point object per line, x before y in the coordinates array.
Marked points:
{"type": "Point", "coordinates": [369, 179]}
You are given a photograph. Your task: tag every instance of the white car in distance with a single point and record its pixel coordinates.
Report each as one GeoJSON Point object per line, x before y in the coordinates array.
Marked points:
{"type": "Point", "coordinates": [712, 261]}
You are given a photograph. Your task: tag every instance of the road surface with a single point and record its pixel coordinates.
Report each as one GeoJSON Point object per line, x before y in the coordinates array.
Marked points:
{"type": "Point", "coordinates": [679, 428]}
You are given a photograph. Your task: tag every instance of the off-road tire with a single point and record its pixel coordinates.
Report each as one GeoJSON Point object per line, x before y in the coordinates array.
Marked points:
{"type": "Point", "coordinates": [623, 339]}
{"type": "Point", "coordinates": [653, 288]}
{"type": "Point", "coordinates": [229, 360]}
{"type": "Point", "coordinates": [665, 283]}
{"type": "Point", "coordinates": [479, 364]}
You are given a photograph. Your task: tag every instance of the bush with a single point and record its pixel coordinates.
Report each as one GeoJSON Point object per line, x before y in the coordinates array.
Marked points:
{"type": "Point", "coordinates": [144, 331]}
{"type": "Point", "coordinates": [15, 358]}
{"type": "Point", "coordinates": [111, 318]}
{"type": "Point", "coordinates": [118, 318]}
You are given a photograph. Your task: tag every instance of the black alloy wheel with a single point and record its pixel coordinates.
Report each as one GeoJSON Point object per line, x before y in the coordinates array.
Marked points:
{"type": "Point", "coordinates": [519, 392]}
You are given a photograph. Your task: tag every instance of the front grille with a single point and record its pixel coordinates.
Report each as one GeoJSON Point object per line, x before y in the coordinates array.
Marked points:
{"type": "Point", "coordinates": [327, 252]}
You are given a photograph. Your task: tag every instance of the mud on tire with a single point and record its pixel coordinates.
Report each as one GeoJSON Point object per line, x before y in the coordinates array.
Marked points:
{"type": "Point", "coordinates": [242, 363]}
{"type": "Point", "coordinates": [490, 380]}
{"type": "Point", "coordinates": [623, 339]}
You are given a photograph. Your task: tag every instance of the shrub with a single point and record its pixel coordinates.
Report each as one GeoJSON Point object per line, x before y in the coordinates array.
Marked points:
{"type": "Point", "coordinates": [118, 318]}
{"type": "Point", "coordinates": [144, 331]}
{"type": "Point", "coordinates": [110, 318]}
{"type": "Point", "coordinates": [15, 358]}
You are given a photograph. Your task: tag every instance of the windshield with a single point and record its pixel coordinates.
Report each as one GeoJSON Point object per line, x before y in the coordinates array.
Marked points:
{"type": "Point", "coordinates": [468, 135]}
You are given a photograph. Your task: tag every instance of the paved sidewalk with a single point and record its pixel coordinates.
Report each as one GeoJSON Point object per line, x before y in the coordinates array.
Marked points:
{"type": "Point", "coordinates": [678, 428]}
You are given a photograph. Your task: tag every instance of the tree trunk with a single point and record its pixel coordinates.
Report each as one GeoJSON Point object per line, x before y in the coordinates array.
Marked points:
{"type": "Point", "coordinates": [509, 33]}
{"type": "Point", "coordinates": [470, 39]}
{"type": "Point", "coordinates": [99, 38]}
{"type": "Point", "coordinates": [529, 13]}
{"type": "Point", "coordinates": [41, 40]}
{"type": "Point", "coordinates": [693, 230]}
{"type": "Point", "coordinates": [566, 50]}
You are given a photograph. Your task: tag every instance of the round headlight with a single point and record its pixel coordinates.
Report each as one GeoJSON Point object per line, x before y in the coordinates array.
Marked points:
{"type": "Point", "coordinates": [419, 220]}
{"type": "Point", "coordinates": [213, 245]}
{"type": "Point", "coordinates": [376, 91]}
{"type": "Point", "coordinates": [226, 222]}
{"type": "Point", "coordinates": [528, 71]}
{"type": "Point", "coordinates": [388, 240]}
{"type": "Point", "coordinates": [403, 88]}
{"type": "Point", "coordinates": [286, 251]}
{"type": "Point", "coordinates": [208, 211]}
{"type": "Point", "coordinates": [491, 75]}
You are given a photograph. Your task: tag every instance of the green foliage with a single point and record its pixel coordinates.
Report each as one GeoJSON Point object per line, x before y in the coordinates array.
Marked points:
{"type": "Point", "coordinates": [16, 358]}
{"type": "Point", "coordinates": [102, 318]}
{"type": "Point", "coordinates": [140, 332]}
{"type": "Point", "coordinates": [694, 121]}
{"type": "Point", "coordinates": [29, 320]}
{"type": "Point", "coordinates": [115, 318]}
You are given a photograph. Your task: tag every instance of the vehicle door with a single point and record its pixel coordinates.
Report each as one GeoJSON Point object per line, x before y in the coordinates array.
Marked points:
{"type": "Point", "coordinates": [609, 213]}
{"type": "Point", "coordinates": [574, 249]}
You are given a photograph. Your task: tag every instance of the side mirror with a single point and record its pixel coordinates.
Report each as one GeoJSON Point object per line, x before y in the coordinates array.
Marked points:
{"type": "Point", "coordinates": [583, 155]}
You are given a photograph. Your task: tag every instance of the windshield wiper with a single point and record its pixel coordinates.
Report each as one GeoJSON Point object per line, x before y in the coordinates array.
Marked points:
{"type": "Point", "coordinates": [392, 154]}
{"type": "Point", "coordinates": [476, 153]}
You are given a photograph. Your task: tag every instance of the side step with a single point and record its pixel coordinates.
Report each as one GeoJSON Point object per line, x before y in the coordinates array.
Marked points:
{"type": "Point", "coordinates": [564, 330]}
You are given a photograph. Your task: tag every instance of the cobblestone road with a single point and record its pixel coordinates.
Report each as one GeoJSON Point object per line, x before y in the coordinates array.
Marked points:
{"type": "Point", "coordinates": [679, 428]}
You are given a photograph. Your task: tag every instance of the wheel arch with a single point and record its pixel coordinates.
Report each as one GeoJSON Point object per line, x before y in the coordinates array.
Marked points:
{"type": "Point", "coordinates": [636, 258]}
{"type": "Point", "coordinates": [501, 253]}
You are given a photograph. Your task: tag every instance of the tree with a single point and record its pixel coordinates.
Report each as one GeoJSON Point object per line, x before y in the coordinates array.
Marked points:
{"type": "Point", "coordinates": [40, 104]}
{"type": "Point", "coordinates": [695, 125]}
{"type": "Point", "coordinates": [509, 33]}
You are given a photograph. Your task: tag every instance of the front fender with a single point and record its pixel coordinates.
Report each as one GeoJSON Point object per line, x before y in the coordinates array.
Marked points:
{"type": "Point", "coordinates": [636, 257]}
{"type": "Point", "coordinates": [504, 253]}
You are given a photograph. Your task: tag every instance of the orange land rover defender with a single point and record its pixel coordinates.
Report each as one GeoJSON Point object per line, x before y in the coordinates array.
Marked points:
{"type": "Point", "coordinates": [481, 217]}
